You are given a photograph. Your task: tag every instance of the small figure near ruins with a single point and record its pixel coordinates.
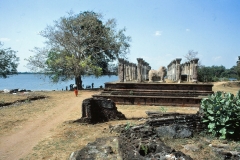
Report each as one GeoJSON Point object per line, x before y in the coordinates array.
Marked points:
{"type": "Point", "coordinates": [160, 73]}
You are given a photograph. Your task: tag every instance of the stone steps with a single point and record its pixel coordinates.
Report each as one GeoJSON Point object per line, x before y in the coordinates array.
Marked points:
{"type": "Point", "coordinates": [139, 92]}
{"type": "Point", "coordinates": [161, 94]}
{"type": "Point", "coordinates": [154, 100]}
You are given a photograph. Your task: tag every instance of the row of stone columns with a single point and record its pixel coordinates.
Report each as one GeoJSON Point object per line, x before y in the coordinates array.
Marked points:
{"type": "Point", "coordinates": [175, 70]}
{"type": "Point", "coordinates": [142, 70]}
{"type": "Point", "coordinates": [128, 71]}
{"type": "Point", "coordinates": [190, 69]}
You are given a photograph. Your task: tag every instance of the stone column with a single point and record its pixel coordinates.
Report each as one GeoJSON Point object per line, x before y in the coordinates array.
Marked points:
{"type": "Point", "coordinates": [174, 71]}
{"type": "Point", "coordinates": [195, 66]}
{"type": "Point", "coordinates": [188, 71]}
{"type": "Point", "coordinates": [121, 69]}
{"type": "Point", "coordinates": [178, 69]}
{"type": "Point", "coordinates": [148, 69]}
{"type": "Point", "coordinates": [191, 71]}
{"type": "Point", "coordinates": [126, 71]}
{"type": "Point", "coordinates": [131, 71]}
{"type": "Point", "coordinates": [144, 71]}
{"type": "Point", "coordinates": [139, 69]}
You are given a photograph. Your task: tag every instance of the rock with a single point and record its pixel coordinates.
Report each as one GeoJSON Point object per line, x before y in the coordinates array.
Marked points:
{"type": "Point", "coordinates": [97, 150]}
{"type": "Point", "coordinates": [6, 91]}
{"type": "Point", "coordinates": [191, 147]}
{"type": "Point", "coordinates": [219, 145]}
{"type": "Point", "coordinates": [107, 149]}
{"type": "Point", "coordinates": [174, 131]}
{"type": "Point", "coordinates": [97, 110]}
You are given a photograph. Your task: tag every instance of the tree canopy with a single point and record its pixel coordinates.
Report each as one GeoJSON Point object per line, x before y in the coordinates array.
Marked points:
{"type": "Point", "coordinates": [8, 62]}
{"type": "Point", "coordinates": [77, 45]}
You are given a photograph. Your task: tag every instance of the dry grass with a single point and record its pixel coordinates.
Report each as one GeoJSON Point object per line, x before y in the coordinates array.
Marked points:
{"type": "Point", "coordinates": [68, 136]}
{"type": "Point", "coordinates": [12, 117]}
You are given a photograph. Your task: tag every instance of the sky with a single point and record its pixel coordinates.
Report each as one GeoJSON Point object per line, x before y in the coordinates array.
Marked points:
{"type": "Point", "coordinates": [161, 30]}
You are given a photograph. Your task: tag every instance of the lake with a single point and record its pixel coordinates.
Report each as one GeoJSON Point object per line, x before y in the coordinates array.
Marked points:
{"type": "Point", "coordinates": [37, 82]}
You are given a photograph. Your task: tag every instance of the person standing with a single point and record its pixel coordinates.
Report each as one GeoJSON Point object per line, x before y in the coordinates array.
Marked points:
{"type": "Point", "coordinates": [75, 90]}
{"type": "Point", "coordinates": [92, 85]}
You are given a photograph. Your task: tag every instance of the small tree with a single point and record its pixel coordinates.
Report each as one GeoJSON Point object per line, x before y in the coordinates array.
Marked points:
{"type": "Point", "coordinates": [222, 114]}
{"type": "Point", "coordinates": [191, 55]}
{"type": "Point", "coordinates": [78, 45]}
{"type": "Point", "coordinates": [8, 62]}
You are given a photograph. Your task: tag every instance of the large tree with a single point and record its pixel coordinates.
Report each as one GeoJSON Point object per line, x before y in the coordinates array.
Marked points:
{"type": "Point", "coordinates": [77, 45]}
{"type": "Point", "coordinates": [8, 61]}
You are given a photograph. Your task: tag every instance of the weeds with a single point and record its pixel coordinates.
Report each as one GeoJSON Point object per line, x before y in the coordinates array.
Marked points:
{"type": "Point", "coordinates": [128, 125]}
{"type": "Point", "coordinates": [145, 149]}
{"type": "Point", "coordinates": [27, 100]}
{"type": "Point", "coordinates": [163, 109]}
{"type": "Point", "coordinates": [2, 101]}
{"type": "Point", "coordinates": [131, 92]}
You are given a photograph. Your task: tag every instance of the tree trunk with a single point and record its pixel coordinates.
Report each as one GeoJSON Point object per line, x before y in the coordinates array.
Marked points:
{"type": "Point", "coordinates": [78, 82]}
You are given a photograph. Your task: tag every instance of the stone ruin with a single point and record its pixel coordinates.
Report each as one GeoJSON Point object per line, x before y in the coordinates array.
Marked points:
{"type": "Point", "coordinates": [141, 72]}
{"type": "Point", "coordinates": [96, 110]}
{"type": "Point", "coordinates": [128, 71]}
{"type": "Point", "coordinates": [187, 71]}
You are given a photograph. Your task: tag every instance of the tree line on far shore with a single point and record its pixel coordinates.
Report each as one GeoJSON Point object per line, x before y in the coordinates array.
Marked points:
{"type": "Point", "coordinates": [218, 73]}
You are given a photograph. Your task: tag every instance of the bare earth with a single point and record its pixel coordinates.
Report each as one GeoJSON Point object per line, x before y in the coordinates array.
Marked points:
{"type": "Point", "coordinates": [20, 142]}
{"type": "Point", "coordinates": [26, 130]}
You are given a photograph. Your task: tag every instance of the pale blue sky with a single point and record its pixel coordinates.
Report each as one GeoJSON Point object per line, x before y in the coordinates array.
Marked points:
{"type": "Point", "coordinates": [161, 30]}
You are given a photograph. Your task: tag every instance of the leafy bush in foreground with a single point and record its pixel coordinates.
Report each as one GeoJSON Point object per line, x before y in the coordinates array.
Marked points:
{"type": "Point", "coordinates": [222, 114]}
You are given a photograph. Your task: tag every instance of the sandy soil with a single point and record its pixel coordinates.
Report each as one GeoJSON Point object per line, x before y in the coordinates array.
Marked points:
{"type": "Point", "coordinates": [18, 144]}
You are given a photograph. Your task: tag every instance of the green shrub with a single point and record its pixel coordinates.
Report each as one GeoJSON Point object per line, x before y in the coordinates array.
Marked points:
{"type": "Point", "coordinates": [222, 113]}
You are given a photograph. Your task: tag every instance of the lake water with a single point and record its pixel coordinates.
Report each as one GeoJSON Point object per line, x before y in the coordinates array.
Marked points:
{"type": "Point", "coordinates": [37, 82]}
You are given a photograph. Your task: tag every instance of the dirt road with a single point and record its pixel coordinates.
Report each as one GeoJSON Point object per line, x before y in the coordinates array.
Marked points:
{"type": "Point", "coordinates": [18, 144]}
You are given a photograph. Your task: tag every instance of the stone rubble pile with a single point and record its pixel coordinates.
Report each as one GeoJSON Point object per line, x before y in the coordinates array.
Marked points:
{"type": "Point", "coordinates": [192, 121]}
{"type": "Point", "coordinates": [143, 142]}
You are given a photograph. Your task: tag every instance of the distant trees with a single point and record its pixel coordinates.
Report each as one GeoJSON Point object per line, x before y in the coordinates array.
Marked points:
{"type": "Point", "coordinates": [238, 69]}
{"type": "Point", "coordinates": [215, 73]}
{"type": "Point", "coordinates": [78, 45]}
{"type": "Point", "coordinates": [8, 61]}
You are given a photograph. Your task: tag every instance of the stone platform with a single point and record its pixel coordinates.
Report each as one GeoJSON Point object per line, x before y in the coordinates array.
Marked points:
{"type": "Point", "coordinates": [162, 94]}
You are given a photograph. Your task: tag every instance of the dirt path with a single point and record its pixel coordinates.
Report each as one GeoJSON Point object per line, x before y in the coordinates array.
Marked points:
{"type": "Point", "coordinates": [20, 143]}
